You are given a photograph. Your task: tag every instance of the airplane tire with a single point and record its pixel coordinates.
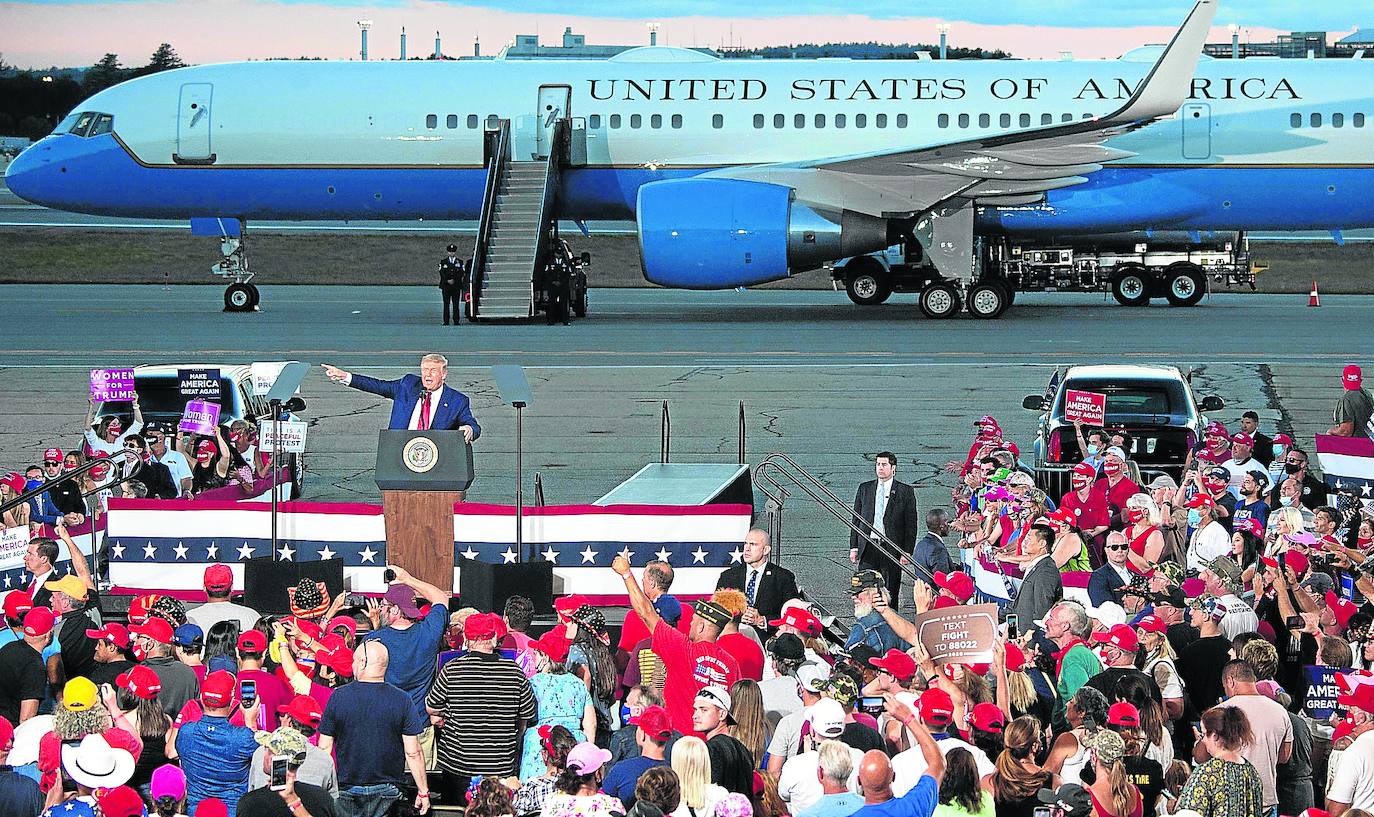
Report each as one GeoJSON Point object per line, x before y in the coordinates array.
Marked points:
{"type": "Point", "coordinates": [1131, 285]}
{"type": "Point", "coordinates": [257, 296]}
{"type": "Point", "coordinates": [1185, 284]}
{"type": "Point", "coordinates": [866, 282]}
{"type": "Point", "coordinates": [238, 298]}
{"type": "Point", "coordinates": [987, 300]}
{"type": "Point", "coordinates": [939, 300]}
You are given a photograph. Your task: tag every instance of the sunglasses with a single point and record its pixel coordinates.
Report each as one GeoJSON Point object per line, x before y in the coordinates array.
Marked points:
{"type": "Point", "coordinates": [1116, 547]}
{"type": "Point", "coordinates": [47, 463]}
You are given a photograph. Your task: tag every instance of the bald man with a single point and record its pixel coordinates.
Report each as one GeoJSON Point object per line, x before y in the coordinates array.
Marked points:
{"type": "Point", "coordinates": [377, 728]}
{"type": "Point", "coordinates": [876, 775]}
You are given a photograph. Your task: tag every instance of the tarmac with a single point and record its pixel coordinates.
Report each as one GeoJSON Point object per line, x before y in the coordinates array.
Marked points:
{"type": "Point", "coordinates": [825, 382]}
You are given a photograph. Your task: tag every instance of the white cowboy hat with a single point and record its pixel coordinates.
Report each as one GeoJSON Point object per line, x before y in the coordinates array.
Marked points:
{"type": "Point", "coordinates": [95, 764]}
{"type": "Point", "coordinates": [26, 738]}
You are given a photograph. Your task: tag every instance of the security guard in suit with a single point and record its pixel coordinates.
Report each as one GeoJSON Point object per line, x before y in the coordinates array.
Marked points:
{"type": "Point", "coordinates": [557, 292]}
{"type": "Point", "coordinates": [453, 284]}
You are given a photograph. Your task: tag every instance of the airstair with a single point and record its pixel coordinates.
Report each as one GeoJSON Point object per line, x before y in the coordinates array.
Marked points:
{"type": "Point", "coordinates": [516, 226]}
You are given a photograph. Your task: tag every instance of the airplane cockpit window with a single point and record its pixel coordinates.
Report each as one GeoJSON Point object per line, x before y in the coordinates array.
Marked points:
{"type": "Point", "coordinates": [104, 123]}
{"type": "Point", "coordinates": [83, 123]}
{"type": "Point", "coordinates": [65, 126]}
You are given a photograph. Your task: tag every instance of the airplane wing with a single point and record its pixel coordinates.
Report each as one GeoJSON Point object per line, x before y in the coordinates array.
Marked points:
{"type": "Point", "coordinates": [1009, 168]}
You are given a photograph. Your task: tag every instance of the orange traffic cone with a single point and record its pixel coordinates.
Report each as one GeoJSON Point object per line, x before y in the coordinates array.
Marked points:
{"type": "Point", "coordinates": [1313, 299]}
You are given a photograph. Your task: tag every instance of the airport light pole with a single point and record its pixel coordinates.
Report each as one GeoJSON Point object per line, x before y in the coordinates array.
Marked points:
{"type": "Point", "coordinates": [363, 26]}
{"type": "Point", "coordinates": [1234, 28]}
{"type": "Point", "coordinates": [943, 28]}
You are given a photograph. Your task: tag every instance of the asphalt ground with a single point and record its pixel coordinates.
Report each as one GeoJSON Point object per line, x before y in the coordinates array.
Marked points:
{"type": "Point", "coordinates": [822, 381]}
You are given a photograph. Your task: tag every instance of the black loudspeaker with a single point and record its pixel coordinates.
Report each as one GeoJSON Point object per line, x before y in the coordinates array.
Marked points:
{"type": "Point", "coordinates": [265, 581]}
{"type": "Point", "coordinates": [487, 586]}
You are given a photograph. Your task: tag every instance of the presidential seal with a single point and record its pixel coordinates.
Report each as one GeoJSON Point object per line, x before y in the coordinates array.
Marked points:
{"type": "Point", "coordinates": [420, 454]}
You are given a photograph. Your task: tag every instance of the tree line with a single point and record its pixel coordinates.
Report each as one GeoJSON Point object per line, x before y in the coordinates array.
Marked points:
{"type": "Point", "coordinates": [33, 102]}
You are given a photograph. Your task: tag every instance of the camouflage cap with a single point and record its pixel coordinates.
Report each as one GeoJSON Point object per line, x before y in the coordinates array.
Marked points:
{"type": "Point", "coordinates": [843, 688]}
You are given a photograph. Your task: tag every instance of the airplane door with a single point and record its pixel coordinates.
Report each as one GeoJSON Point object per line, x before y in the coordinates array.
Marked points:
{"type": "Point", "coordinates": [193, 124]}
{"type": "Point", "coordinates": [553, 106]}
{"type": "Point", "coordinates": [1197, 130]}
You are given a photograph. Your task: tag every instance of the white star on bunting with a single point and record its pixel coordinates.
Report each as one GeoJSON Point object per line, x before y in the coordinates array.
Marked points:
{"type": "Point", "coordinates": [212, 552]}
{"type": "Point", "coordinates": [550, 555]}
{"type": "Point", "coordinates": [699, 556]}
{"type": "Point", "coordinates": [285, 552]}
{"type": "Point", "coordinates": [245, 552]}
{"type": "Point", "coordinates": [625, 552]}
{"type": "Point", "coordinates": [509, 555]}
{"type": "Point", "coordinates": [736, 555]}
{"type": "Point", "coordinates": [180, 550]}
{"type": "Point", "coordinates": [326, 553]}
{"type": "Point", "coordinates": [469, 553]}
{"type": "Point", "coordinates": [663, 554]}
{"type": "Point", "coordinates": [7, 580]}
{"type": "Point", "coordinates": [150, 551]}
{"type": "Point", "coordinates": [367, 554]}
{"type": "Point", "coordinates": [588, 555]}
{"type": "Point", "coordinates": [118, 551]}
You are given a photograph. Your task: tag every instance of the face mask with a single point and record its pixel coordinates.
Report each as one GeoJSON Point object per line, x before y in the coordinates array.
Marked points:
{"type": "Point", "coordinates": [625, 714]}
{"type": "Point", "coordinates": [1278, 450]}
{"type": "Point", "coordinates": [1285, 501]}
{"type": "Point", "coordinates": [1292, 467]}
{"type": "Point", "coordinates": [1365, 541]}
{"type": "Point", "coordinates": [1110, 468]}
{"type": "Point", "coordinates": [1092, 449]}
{"type": "Point", "coordinates": [1135, 514]}
{"type": "Point", "coordinates": [139, 652]}
{"type": "Point", "coordinates": [1080, 483]}
{"type": "Point", "coordinates": [1194, 518]}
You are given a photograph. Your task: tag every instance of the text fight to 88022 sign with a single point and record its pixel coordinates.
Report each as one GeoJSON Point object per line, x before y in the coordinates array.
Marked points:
{"type": "Point", "coordinates": [961, 635]}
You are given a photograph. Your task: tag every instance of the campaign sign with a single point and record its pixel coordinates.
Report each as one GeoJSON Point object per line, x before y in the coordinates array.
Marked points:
{"type": "Point", "coordinates": [201, 417]}
{"type": "Point", "coordinates": [112, 384]}
{"type": "Point", "coordinates": [1321, 691]}
{"type": "Point", "coordinates": [962, 635]}
{"type": "Point", "coordinates": [265, 376]}
{"type": "Point", "coordinates": [292, 436]}
{"type": "Point", "coordinates": [194, 383]}
{"type": "Point", "coordinates": [1085, 406]}
{"type": "Point", "coordinates": [14, 542]}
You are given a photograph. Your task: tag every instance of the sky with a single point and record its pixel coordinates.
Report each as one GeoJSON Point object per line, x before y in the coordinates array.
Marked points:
{"type": "Point", "coordinates": [67, 33]}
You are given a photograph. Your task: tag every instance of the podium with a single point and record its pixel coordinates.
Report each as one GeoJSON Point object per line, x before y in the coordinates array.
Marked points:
{"type": "Point", "coordinates": [421, 475]}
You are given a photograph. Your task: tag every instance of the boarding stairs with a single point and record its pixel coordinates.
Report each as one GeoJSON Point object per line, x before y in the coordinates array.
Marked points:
{"type": "Point", "coordinates": [516, 226]}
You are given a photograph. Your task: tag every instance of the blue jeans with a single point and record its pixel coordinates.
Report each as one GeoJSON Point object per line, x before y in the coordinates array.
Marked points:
{"type": "Point", "coordinates": [367, 801]}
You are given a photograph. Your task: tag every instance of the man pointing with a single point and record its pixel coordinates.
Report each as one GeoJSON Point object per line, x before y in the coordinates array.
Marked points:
{"type": "Point", "coordinates": [418, 403]}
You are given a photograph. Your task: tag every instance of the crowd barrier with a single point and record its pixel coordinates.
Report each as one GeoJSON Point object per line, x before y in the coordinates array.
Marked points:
{"type": "Point", "coordinates": [156, 545]}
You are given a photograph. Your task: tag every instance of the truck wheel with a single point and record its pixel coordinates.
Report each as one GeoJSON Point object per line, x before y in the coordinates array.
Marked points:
{"type": "Point", "coordinates": [580, 304]}
{"type": "Point", "coordinates": [1185, 284]}
{"type": "Point", "coordinates": [866, 282]}
{"type": "Point", "coordinates": [940, 300]}
{"type": "Point", "coordinates": [987, 300]}
{"type": "Point", "coordinates": [1131, 285]}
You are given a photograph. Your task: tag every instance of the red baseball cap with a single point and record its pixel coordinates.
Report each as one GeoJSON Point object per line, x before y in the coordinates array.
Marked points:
{"type": "Point", "coordinates": [1084, 469]}
{"type": "Point", "coordinates": [212, 807]}
{"type": "Point", "coordinates": [206, 447]}
{"type": "Point", "coordinates": [935, 706]}
{"type": "Point", "coordinates": [801, 618]}
{"type": "Point", "coordinates": [16, 481]}
{"type": "Point", "coordinates": [959, 584]}
{"type": "Point", "coordinates": [17, 603]}
{"type": "Point", "coordinates": [121, 801]}
{"type": "Point", "coordinates": [655, 722]}
{"type": "Point", "coordinates": [1016, 657]}
{"type": "Point", "coordinates": [303, 709]}
{"type": "Point", "coordinates": [6, 731]}
{"type": "Point", "coordinates": [1283, 439]}
{"type": "Point", "coordinates": [483, 626]}
{"type": "Point", "coordinates": [1216, 429]}
{"type": "Point", "coordinates": [1062, 516]}
{"type": "Point", "coordinates": [897, 664]}
{"type": "Point", "coordinates": [1341, 608]}
{"type": "Point", "coordinates": [347, 622]}
{"type": "Point", "coordinates": [218, 689]}
{"type": "Point", "coordinates": [139, 607]}
{"type": "Point", "coordinates": [53, 454]}
{"type": "Point", "coordinates": [252, 641]}
{"type": "Point", "coordinates": [1152, 624]}
{"type": "Point", "coordinates": [1119, 636]}
{"type": "Point", "coordinates": [1201, 501]}
{"type": "Point", "coordinates": [38, 621]}
{"type": "Point", "coordinates": [554, 644]}
{"type": "Point", "coordinates": [113, 632]}
{"type": "Point", "coordinates": [219, 578]}
{"type": "Point", "coordinates": [943, 601]}
{"type": "Point", "coordinates": [1351, 377]}
{"type": "Point", "coordinates": [1360, 697]}
{"type": "Point", "coordinates": [566, 605]}
{"type": "Point", "coordinates": [158, 629]}
{"type": "Point", "coordinates": [1243, 439]}
{"type": "Point", "coordinates": [987, 717]}
{"type": "Point", "coordinates": [339, 660]}
{"type": "Point", "coordinates": [1123, 713]}
{"type": "Point", "coordinates": [141, 681]}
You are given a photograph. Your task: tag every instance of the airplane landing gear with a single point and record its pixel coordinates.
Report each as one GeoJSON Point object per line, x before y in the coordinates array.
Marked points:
{"type": "Point", "coordinates": [240, 295]}
{"type": "Point", "coordinates": [241, 298]}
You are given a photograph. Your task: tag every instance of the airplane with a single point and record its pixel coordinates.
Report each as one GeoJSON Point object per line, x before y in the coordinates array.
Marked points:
{"type": "Point", "coordinates": [737, 172]}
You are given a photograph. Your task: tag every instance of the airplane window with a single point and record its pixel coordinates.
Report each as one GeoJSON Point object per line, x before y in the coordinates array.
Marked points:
{"type": "Point", "coordinates": [901, 120]}
{"type": "Point", "coordinates": [615, 121]}
{"type": "Point", "coordinates": [1337, 121]}
{"type": "Point", "coordinates": [103, 124]}
{"type": "Point", "coordinates": [432, 121]}
{"type": "Point", "coordinates": [677, 120]}
{"type": "Point", "coordinates": [1316, 120]}
{"type": "Point", "coordinates": [1087, 116]}
{"type": "Point", "coordinates": [65, 126]}
{"type": "Point", "coordinates": [594, 121]}
{"type": "Point", "coordinates": [83, 123]}
{"type": "Point", "coordinates": [963, 120]}
{"type": "Point", "coordinates": [820, 120]}
{"type": "Point", "coordinates": [1004, 120]}
{"type": "Point", "coordinates": [493, 121]}
{"type": "Point", "coordinates": [718, 121]}
{"type": "Point", "coordinates": [984, 120]}
{"type": "Point", "coordinates": [1025, 120]}
{"type": "Point", "coordinates": [1358, 120]}
{"type": "Point", "coordinates": [656, 120]}
{"type": "Point", "coordinates": [1068, 117]}
{"type": "Point", "coordinates": [758, 120]}
{"type": "Point", "coordinates": [472, 121]}
{"type": "Point", "coordinates": [880, 121]}
{"type": "Point", "coordinates": [636, 120]}
{"type": "Point", "coordinates": [839, 120]}
{"type": "Point", "coordinates": [799, 121]}
{"type": "Point", "coordinates": [860, 120]}
{"type": "Point", "coordinates": [1047, 119]}
{"type": "Point", "coordinates": [1295, 121]}
{"type": "Point", "coordinates": [942, 120]}
{"type": "Point", "coordinates": [779, 120]}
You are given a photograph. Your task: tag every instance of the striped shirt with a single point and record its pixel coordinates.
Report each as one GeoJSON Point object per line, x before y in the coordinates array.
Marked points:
{"type": "Point", "coordinates": [483, 698]}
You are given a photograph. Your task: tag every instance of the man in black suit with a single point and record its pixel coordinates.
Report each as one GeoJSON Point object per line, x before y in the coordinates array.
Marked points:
{"type": "Point", "coordinates": [766, 586]}
{"type": "Point", "coordinates": [1108, 581]}
{"type": "Point", "coordinates": [1042, 586]}
{"type": "Point", "coordinates": [893, 505]}
{"type": "Point", "coordinates": [155, 476]}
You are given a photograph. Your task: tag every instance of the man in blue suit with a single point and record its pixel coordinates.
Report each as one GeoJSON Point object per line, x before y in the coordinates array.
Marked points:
{"type": "Point", "coordinates": [418, 403]}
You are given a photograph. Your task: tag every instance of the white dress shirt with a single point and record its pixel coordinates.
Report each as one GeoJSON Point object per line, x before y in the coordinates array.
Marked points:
{"type": "Point", "coordinates": [433, 407]}
{"type": "Point", "coordinates": [881, 496]}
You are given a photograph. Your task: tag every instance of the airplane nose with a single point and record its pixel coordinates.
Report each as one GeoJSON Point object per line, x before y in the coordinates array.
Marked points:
{"type": "Point", "coordinates": [23, 176]}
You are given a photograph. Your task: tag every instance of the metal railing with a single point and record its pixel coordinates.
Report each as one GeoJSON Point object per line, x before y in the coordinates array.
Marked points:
{"type": "Point", "coordinates": [665, 433]}
{"type": "Point", "coordinates": [548, 225]}
{"type": "Point", "coordinates": [498, 149]}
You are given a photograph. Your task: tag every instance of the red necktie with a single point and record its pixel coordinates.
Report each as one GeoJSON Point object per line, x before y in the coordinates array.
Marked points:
{"type": "Point", "coordinates": [424, 413]}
